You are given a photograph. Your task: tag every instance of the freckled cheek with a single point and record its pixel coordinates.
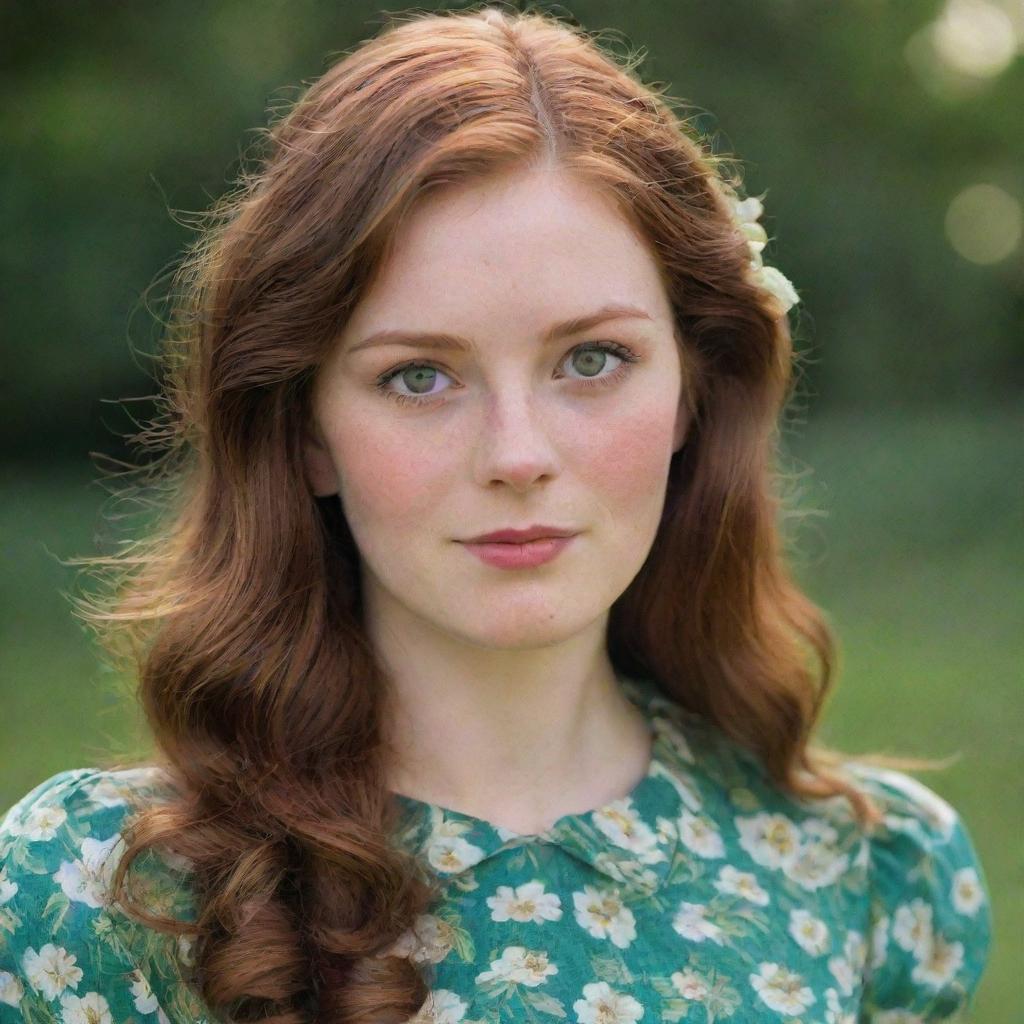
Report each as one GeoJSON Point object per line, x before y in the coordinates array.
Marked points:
{"type": "Point", "coordinates": [388, 481]}
{"type": "Point", "coordinates": [627, 463]}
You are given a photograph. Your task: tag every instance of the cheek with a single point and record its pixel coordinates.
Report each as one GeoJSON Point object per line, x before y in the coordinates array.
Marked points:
{"type": "Point", "coordinates": [387, 484]}
{"type": "Point", "coordinates": [627, 465]}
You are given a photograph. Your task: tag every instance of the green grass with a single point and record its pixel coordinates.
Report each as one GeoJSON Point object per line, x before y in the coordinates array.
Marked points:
{"type": "Point", "coordinates": [917, 558]}
{"type": "Point", "coordinates": [907, 533]}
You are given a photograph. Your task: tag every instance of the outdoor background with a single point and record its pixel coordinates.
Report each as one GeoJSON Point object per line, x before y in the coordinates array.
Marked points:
{"type": "Point", "coordinates": [888, 137]}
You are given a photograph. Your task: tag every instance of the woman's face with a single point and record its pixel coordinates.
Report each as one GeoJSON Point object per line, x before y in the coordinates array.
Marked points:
{"type": "Point", "coordinates": [510, 429]}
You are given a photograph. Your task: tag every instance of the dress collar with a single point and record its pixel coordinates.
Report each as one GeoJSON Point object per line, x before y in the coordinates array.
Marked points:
{"type": "Point", "coordinates": [632, 840]}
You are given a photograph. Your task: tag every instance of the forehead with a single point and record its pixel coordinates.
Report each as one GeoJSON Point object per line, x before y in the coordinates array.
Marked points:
{"type": "Point", "coordinates": [526, 248]}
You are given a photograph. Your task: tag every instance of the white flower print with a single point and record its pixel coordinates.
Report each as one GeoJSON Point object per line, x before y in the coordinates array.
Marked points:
{"type": "Point", "coordinates": [817, 862]}
{"type": "Point", "coordinates": [699, 835]}
{"type": "Point", "coordinates": [602, 913]}
{"type": "Point", "coordinates": [447, 851]}
{"type": "Point", "coordinates": [879, 942]}
{"type": "Point", "coordinates": [40, 824]}
{"type": "Point", "coordinates": [691, 922]}
{"type": "Point", "coordinates": [601, 1004]}
{"type": "Point", "coordinates": [108, 793]}
{"type": "Point", "coordinates": [427, 940]}
{"type": "Point", "coordinates": [113, 790]}
{"type": "Point", "coordinates": [682, 782]}
{"type": "Point", "coordinates": [816, 866]}
{"type": "Point", "coordinates": [910, 826]}
{"type": "Point", "coordinates": [805, 955]}
{"type": "Point", "coordinates": [11, 989]}
{"type": "Point", "coordinates": [675, 737]}
{"type": "Point", "coordinates": [855, 949]}
{"type": "Point", "coordinates": [621, 823]}
{"type": "Point", "coordinates": [89, 1009]}
{"type": "Point", "coordinates": [185, 945]}
{"type": "Point", "coordinates": [940, 964]}
{"type": "Point", "coordinates": [741, 883]}
{"type": "Point", "coordinates": [780, 989]}
{"type": "Point", "coordinates": [819, 830]}
{"type": "Point", "coordinates": [667, 831]}
{"type": "Point", "coordinates": [51, 970]}
{"type": "Point", "coordinates": [842, 971]}
{"type": "Point", "coordinates": [936, 812]}
{"type": "Point", "coordinates": [772, 840]}
{"type": "Point", "coordinates": [7, 887]}
{"type": "Point", "coordinates": [691, 985]}
{"type": "Point", "coordinates": [912, 927]}
{"type": "Point", "coordinates": [863, 856]}
{"type": "Point", "coordinates": [518, 964]}
{"type": "Point", "coordinates": [442, 1006]}
{"type": "Point", "coordinates": [175, 861]}
{"type": "Point", "coordinates": [629, 872]}
{"type": "Point", "coordinates": [527, 902]}
{"type": "Point", "coordinates": [145, 1001]}
{"type": "Point", "coordinates": [846, 967]}
{"type": "Point", "coordinates": [835, 1014]}
{"type": "Point", "coordinates": [968, 894]}
{"type": "Point", "coordinates": [507, 835]}
{"type": "Point", "coordinates": [809, 932]}
{"type": "Point", "coordinates": [87, 880]}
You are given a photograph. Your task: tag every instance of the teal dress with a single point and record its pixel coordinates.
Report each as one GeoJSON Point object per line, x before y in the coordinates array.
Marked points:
{"type": "Point", "coordinates": [705, 894]}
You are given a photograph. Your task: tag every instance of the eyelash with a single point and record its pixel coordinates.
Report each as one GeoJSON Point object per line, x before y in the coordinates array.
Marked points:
{"type": "Point", "coordinates": [625, 354]}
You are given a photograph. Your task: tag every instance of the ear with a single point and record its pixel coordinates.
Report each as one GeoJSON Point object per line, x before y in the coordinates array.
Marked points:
{"type": "Point", "coordinates": [320, 472]}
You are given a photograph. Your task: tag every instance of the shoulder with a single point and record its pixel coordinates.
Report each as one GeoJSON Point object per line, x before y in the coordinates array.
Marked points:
{"type": "Point", "coordinates": [65, 835]}
{"type": "Point", "coordinates": [930, 910]}
{"type": "Point", "coordinates": [87, 797]}
{"type": "Point", "coordinates": [69, 950]}
{"type": "Point", "coordinates": [918, 875]}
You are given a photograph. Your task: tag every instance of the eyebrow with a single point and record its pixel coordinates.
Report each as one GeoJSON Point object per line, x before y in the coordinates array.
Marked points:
{"type": "Point", "coordinates": [433, 339]}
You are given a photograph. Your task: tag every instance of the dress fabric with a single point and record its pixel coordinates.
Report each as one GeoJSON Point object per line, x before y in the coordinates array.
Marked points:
{"type": "Point", "coordinates": [705, 894]}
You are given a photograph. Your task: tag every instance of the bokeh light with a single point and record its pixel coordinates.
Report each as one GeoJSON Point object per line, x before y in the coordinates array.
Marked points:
{"type": "Point", "coordinates": [975, 37]}
{"type": "Point", "coordinates": [984, 223]}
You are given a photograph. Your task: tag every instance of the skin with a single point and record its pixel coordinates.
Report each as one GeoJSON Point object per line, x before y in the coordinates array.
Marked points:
{"type": "Point", "coordinates": [501, 678]}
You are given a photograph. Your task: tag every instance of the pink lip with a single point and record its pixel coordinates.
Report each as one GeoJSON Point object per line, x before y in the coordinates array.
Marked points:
{"type": "Point", "coordinates": [503, 555]}
{"type": "Point", "coordinates": [512, 536]}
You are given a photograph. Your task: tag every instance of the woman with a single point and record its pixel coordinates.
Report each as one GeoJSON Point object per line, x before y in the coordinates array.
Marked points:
{"type": "Point", "coordinates": [483, 282]}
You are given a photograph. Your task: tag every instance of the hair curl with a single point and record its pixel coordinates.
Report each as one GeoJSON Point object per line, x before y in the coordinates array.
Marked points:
{"type": "Point", "coordinates": [239, 610]}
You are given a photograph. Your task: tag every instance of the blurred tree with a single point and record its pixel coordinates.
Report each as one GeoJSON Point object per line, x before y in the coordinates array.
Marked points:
{"type": "Point", "coordinates": [119, 118]}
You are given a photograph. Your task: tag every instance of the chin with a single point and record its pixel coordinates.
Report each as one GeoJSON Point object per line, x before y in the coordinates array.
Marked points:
{"type": "Point", "coordinates": [523, 631]}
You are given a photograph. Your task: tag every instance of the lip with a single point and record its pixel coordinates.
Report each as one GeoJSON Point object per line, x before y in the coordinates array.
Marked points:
{"type": "Point", "coordinates": [513, 536]}
{"type": "Point", "coordinates": [505, 555]}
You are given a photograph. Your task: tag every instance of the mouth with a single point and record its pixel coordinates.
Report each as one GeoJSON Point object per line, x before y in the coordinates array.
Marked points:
{"type": "Point", "coordinates": [526, 555]}
{"type": "Point", "coordinates": [512, 535]}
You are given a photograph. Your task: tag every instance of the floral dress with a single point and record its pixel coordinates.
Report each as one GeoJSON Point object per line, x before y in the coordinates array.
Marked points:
{"type": "Point", "coordinates": [703, 895]}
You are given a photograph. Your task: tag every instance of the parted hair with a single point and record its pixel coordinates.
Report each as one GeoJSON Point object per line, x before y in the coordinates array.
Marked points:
{"type": "Point", "coordinates": [238, 609]}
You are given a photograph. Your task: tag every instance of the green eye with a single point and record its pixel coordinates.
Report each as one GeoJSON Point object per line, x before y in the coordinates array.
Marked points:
{"type": "Point", "coordinates": [419, 379]}
{"type": "Point", "coordinates": [588, 359]}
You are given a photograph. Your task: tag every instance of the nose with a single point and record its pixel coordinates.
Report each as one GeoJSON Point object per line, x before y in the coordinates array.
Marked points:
{"type": "Point", "coordinates": [515, 443]}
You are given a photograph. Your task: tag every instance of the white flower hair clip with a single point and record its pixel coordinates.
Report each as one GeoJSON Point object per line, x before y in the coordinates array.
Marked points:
{"type": "Point", "coordinates": [746, 213]}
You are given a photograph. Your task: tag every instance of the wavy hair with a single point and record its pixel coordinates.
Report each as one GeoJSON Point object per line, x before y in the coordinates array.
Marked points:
{"type": "Point", "coordinates": [238, 610]}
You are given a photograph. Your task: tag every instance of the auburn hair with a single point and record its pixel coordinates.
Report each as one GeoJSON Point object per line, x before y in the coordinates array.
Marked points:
{"type": "Point", "coordinates": [238, 608]}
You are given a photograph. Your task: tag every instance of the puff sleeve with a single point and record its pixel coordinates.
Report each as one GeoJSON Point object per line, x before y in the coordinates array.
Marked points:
{"type": "Point", "coordinates": [68, 952]}
{"type": "Point", "coordinates": [931, 923]}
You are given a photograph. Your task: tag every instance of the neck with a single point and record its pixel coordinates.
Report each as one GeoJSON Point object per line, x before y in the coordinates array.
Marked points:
{"type": "Point", "coordinates": [517, 738]}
